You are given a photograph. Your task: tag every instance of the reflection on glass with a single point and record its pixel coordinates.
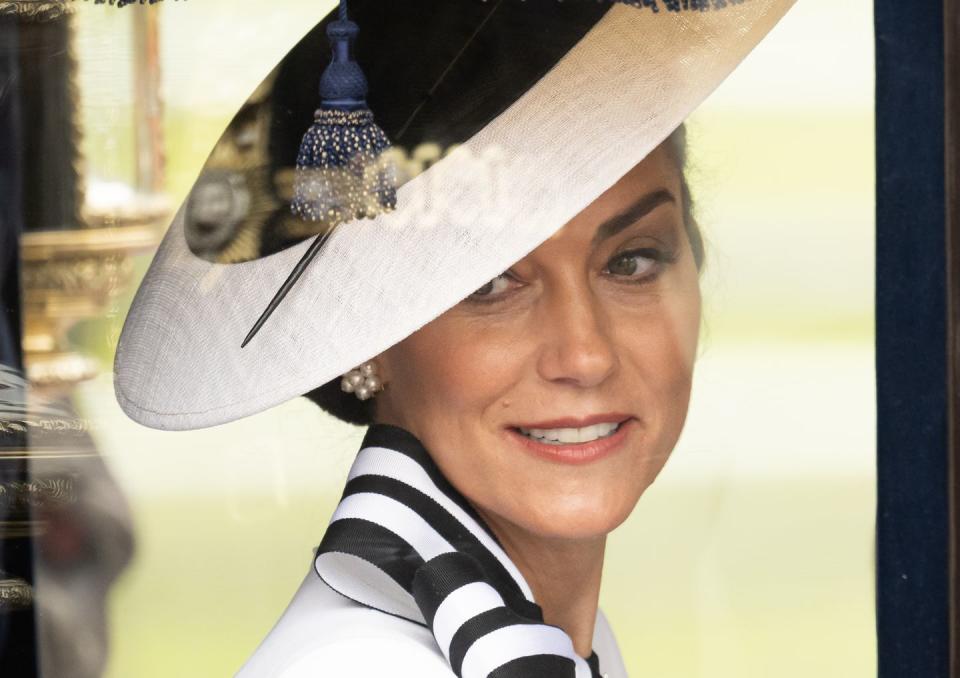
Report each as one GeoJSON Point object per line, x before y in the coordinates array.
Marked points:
{"type": "Point", "coordinates": [755, 542]}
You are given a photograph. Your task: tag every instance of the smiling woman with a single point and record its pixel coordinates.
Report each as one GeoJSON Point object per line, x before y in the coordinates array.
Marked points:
{"type": "Point", "coordinates": [552, 396]}
{"type": "Point", "coordinates": [524, 356]}
{"type": "Point", "coordinates": [598, 325]}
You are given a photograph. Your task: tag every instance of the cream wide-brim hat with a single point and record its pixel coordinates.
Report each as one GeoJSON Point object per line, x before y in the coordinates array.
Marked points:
{"type": "Point", "coordinates": [610, 99]}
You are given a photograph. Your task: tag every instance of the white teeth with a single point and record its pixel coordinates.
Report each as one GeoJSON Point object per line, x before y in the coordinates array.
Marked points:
{"type": "Point", "coordinates": [562, 436]}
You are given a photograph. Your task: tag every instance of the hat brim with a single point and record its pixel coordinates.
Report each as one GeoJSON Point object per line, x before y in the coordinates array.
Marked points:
{"type": "Point", "coordinates": [609, 101]}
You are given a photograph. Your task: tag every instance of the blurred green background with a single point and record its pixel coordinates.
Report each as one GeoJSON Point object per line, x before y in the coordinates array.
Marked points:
{"type": "Point", "coordinates": [751, 556]}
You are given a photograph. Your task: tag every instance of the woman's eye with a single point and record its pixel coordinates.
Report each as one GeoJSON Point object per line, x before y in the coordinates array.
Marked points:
{"type": "Point", "coordinates": [638, 264]}
{"type": "Point", "coordinates": [499, 284]}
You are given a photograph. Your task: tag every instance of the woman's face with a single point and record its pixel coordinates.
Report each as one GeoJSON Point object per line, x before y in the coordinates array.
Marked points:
{"type": "Point", "coordinates": [598, 325]}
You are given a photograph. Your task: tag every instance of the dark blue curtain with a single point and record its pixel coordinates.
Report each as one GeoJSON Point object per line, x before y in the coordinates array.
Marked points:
{"type": "Point", "coordinates": [912, 536]}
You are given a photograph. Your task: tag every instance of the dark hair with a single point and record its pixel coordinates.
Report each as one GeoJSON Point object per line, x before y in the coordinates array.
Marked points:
{"type": "Point", "coordinates": [676, 145]}
{"type": "Point", "coordinates": [349, 408]}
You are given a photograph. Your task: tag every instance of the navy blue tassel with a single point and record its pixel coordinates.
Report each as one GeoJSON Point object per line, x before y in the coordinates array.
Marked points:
{"type": "Point", "coordinates": [342, 172]}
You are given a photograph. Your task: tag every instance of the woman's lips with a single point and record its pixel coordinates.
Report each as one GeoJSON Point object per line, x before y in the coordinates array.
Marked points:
{"type": "Point", "coordinates": [575, 453]}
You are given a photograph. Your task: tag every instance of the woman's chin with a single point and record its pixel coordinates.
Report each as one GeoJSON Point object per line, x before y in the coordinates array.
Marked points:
{"type": "Point", "coordinates": [574, 519]}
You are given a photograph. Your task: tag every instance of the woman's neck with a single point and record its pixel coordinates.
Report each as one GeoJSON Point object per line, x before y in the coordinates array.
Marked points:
{"type": "Point", "coordinates": [563, 574]}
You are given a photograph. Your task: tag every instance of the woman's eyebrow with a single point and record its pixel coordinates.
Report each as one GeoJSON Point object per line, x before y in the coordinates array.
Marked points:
{"type": "Point", "coordinates": [643, 205]}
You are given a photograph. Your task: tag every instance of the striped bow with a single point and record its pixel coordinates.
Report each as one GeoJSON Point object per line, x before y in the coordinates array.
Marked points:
{"type": "Point", "coordinates": [405, 542]}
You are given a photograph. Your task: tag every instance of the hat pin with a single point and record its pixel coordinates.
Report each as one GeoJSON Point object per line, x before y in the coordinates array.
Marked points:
{"type": "Point", "coordinates": [342, 173]}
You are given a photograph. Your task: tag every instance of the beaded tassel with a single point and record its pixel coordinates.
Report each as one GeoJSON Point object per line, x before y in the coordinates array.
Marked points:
{"type": "Point", "coordinates": [342, 173]}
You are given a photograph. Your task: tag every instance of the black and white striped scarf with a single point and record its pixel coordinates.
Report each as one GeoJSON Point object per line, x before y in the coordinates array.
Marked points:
{"type": "Point", "coordinates": [405, 542]}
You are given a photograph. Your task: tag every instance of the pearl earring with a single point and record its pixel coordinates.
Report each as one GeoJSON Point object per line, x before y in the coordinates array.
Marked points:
{"type": "Point", "coordinates": [362, 381]}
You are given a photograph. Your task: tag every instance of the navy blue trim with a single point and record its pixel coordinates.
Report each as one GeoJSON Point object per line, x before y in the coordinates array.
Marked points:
{"type": "Point", "coordinates": [374, 544]}
{"type": "Point", "coordinates": [481, 625]}
{"type": "Point", "coordinates": [440, 577]}
{"type": "Point", "coordinates": [912, 527]}
{"type": "Point", "coordinates": [537, 666]}
{"type": "Point", "coordinates": [446, 526]}
{"type": "Point", "coordinates": [403, 441]}
{"type": "Point", "coordinates": [430, 583]}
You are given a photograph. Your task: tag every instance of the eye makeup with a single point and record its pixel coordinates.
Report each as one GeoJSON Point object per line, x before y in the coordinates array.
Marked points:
{"type": "Point", "coordinates": [660, 259]}
{"type": "Point", "coordinates": [654, 239]}
{"type": "Point", "coordinates": [632, 214]}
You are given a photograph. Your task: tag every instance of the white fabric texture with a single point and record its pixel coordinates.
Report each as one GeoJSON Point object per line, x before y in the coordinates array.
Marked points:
{"type": "Point", "coordinates": [321, 633]}
{"type": "Point", "coordinates": [355, 578]}
{"type": "Point", "coordinates": [632, 79]}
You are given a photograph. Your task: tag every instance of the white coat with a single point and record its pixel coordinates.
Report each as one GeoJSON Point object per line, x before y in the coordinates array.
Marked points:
{"type": "Point", "coordinates": [322, 634]}
{"type": "Point", "coordinates": [403, 547]}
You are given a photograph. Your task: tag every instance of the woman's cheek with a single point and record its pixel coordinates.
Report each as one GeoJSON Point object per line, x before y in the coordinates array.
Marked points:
{"type": "Point", "coordinates": [483, 372]}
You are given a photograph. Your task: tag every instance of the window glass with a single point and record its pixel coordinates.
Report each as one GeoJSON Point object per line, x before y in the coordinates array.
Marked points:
{"type": "Point", "coordinates": [751, 554]}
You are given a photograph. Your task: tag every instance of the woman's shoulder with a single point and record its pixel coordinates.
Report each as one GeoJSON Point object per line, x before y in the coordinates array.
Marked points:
{"type": "Point", "coordinates": [323, 633]}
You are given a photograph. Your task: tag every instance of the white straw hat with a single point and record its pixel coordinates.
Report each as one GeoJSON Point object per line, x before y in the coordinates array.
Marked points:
{"type": "Point", "coordinates": [614, 81]}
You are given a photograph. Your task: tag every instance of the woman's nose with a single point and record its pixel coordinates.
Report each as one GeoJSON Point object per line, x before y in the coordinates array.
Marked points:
{"type": "Point", "coordinates": [577, 345]}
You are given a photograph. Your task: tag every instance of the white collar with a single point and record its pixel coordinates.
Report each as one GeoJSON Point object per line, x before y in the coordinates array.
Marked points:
{"type": "Point", "coordinates": [405, 542]}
